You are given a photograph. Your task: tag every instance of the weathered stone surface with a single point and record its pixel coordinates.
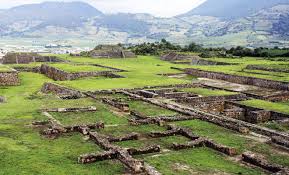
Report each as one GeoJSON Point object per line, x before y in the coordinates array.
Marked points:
{"type": "Point", "coordinates": [192, 144]}
{"type": "Point", "coordinates": [93, 157]}
{"type": "Point", "coordinates": [132, 136]}
{"type": "Point", "coordinates": [147, 94]}
{"type": "Point", "coordinates": [221, 148]}
{"type": "Point", "coordinates": [223, 121]}
{"type": "Point", "coordinates": [26, 58]}
{"type": "Point", "coordinates": [239, 79]}
{"type": "Point", "coordinates": [63, 110]}
{"type": "Point", "coordinates": [9, 78]}
{"type": "Point", "coordinates": [61, 91]}
{"type": "Point", "coordinates": [109, 51]}
{"type": "Point", "coordinates": [146, 150]}
{"type": "Point", "coordinates": [212, 98]}
{"type": "Point", "coordinates": [138, 115]}
{"type": "Point", "coordinates": [28, 69]}
{"type": "Point", "coordinates": [60, 75]}
{"type": "Point", "coordinates": [260, 161]}
{"type": "Point", "coordinates": [117, 103]}
{"type": "Point", "coordinates": [280, 141]}
{"type": "Point", "coordinates": [260, 67]}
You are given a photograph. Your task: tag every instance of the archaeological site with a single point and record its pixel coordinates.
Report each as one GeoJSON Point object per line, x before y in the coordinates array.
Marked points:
{"type": "Point", "coordinates": [150, 115]}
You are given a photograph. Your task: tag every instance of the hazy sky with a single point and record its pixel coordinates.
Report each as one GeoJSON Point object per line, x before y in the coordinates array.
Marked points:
{"type": "Point", "coordinates": [164, 8]}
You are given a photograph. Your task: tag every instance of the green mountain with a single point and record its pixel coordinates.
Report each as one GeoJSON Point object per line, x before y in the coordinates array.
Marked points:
{"type": "Point", "coordinates": [263, 24]}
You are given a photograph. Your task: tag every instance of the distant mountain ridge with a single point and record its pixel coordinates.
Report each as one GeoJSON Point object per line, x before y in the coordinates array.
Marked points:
{"type": "Point", "coordinates": [227, 23]}
{"type": "Point", "coordinates": [65, 14]}
{"type": "Point", "coordinates": [233, 8]}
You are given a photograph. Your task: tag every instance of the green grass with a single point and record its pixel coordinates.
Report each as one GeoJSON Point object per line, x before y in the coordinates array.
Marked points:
{"type": "Point", "coordinates": [4, 69]}
{"type": "Point", "coordinates": [235, 140]}
{"type": "Point", "coordinates": [274, 66]}
{"type": "Point", "coordinates": [142, 71]}
{"type": "Point", "coordinates": [207, 92]}
{"type": "Point", "coordinates": [201, 160]}
{"type": "Point", "coordinates": [149, 109]}
{"type": "Point", "coordinates": [242, 64]}
{"type": "Point", "coordinates": [30, 65]}
{"type": "Point", "coordinates": [24, 151]}
{"type": "Point", "coordinates": [72, 68]}
{"type": "Point", "coordinates": [277, 107]}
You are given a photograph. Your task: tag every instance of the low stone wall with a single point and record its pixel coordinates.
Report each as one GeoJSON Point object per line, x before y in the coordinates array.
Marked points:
{"type": "Point", "coordinates": [260, 67]}
{"type": "Point", "coordinates": [61, 91]}
{"type": "Point", "coordinates": [257, 112]}
{"type": "Point", "coordinates": [211, 98]}
{"type": "Point", "coordinates": [208, 62]}
{"type": "Point", "coordinates": [28, 69]}
{"type": "Point", "coordinates": [60, 75]}
{"type": "Point", "coordinates": [223, 121]}
{"type": "Point", "coordinates": [239, 79]}
{"type": "Point", "coordinates": [260, 161]}
{"type": "Point", "coordinates": [9, 78]}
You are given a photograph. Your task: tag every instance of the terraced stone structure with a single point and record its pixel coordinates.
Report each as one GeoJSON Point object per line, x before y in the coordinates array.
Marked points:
{"type": "Point", "coordinates": [189, 59]}
{"type": "Point", "coordinates": [110, 51]}
{"type": "Point", "coordinates": [61, 75]}
{"type": "Point", "coordinates": [26, 58]}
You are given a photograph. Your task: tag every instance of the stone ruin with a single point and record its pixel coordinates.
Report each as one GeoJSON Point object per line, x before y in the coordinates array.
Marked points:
{"type": "Point", "coordinates": [189, 59]}
{"type": "Point", "coordinates": [60, 75]}
{"type": "Point", "coordinates": [260, 161]}
{"type": "Point", "coordinates": [9, 78]}
{"type": "Point", "coordinates": [221, 120]}
{"type": "Point", "coordinates": [109, 51]}
{"type": "Point", "coordinates": [172, 56]}
{"type": "Point", "coordinates": [61, 91]}
{"type": "Point", "coordinates": [135, 166]}
{"type": "Point", "coordinates": [259, 82]}
{"type": "Point", "coordinates": [26, 58]}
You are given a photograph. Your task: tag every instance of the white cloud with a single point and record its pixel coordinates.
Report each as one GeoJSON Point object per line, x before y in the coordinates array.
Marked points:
{"type": "Point", "coordinates": [164, 8]}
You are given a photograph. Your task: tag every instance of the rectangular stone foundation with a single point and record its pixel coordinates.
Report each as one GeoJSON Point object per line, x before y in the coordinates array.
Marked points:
{"type": "Point", "coordinates": [239, 79]}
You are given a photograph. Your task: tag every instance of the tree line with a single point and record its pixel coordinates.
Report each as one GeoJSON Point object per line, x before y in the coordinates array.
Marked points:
{"type": "Point", "coordinates": [158, 48]}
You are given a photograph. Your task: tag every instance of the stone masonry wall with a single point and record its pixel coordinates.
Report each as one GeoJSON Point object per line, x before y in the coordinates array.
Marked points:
{"type": "Point", "coordinates": [26, 58]}
{"type": "Point", "coordinates": [59, 90]}
{"type": "Point", "coordinates": [60, 75]}
{"type": "Point", "coordinates": [239, 79]}
{"type": "Point", "coordinates": [9, 78]}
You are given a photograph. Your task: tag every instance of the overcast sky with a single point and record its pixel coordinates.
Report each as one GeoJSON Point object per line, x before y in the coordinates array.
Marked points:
{"type": "Point", "coordinates": [164, 8]}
